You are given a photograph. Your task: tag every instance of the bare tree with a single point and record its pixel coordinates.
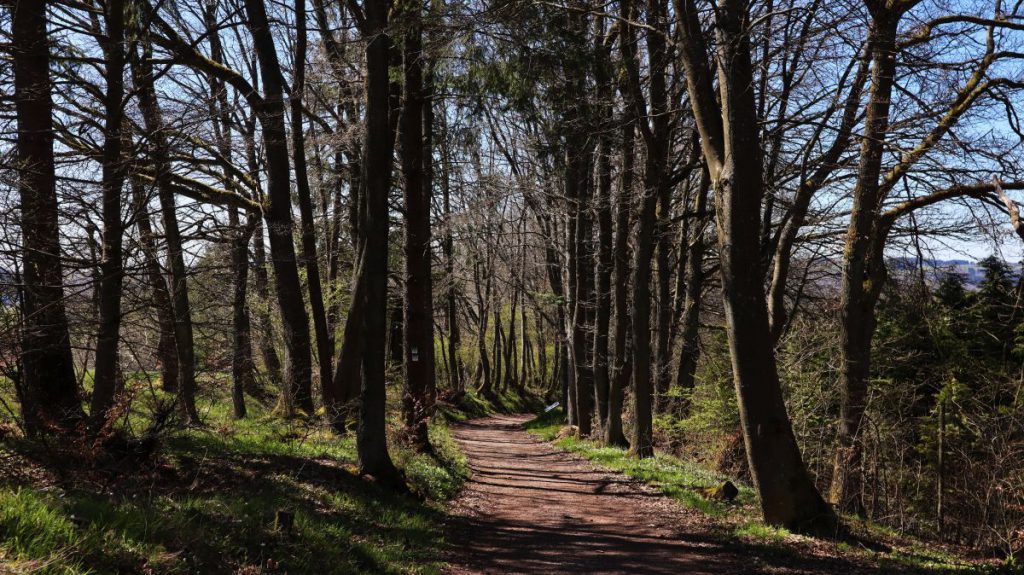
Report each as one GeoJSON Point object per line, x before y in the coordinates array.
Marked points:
{"type": "Point", "coordinates": [732, 152]}
{"type": "Point", "coordinates": [49, 390]}
{"type": "Point", "coordinates": [105, 378]}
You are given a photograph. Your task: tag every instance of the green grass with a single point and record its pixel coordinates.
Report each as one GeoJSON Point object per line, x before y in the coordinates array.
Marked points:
{"type": "Point", "coordinates": [740, 523]}
{"type": "Point", "coordinates": [679, 479]}
{"type": "Point", "coordinates": [208, 506]}
{"type": "Point", "coordinates": [471, 405]}
{"type": "Point", "coordinates": [929, 560]}
{"type": "Point", "coordinates": [468, 406]}
{"type": "Point", "coordinates": [760, 533]}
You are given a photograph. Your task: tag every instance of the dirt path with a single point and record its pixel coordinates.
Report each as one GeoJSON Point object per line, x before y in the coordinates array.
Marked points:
{"type": "Point", "coordinates": [530, 508]}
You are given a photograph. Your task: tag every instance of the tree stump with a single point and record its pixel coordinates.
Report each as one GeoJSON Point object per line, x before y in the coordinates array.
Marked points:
{"type": "Point", "coordinates": [284, 521]}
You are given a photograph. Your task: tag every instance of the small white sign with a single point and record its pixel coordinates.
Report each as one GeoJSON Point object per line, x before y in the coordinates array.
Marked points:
{"type": "Point", "coordinates": [415, 351]}
{"type": "Point", "coordinates": [550, 407]}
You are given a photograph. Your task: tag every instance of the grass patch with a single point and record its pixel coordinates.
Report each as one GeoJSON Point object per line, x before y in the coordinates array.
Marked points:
{"type": "Point", "coordinates": [680, 480]}
{"type": "Point", "coordinates": [462, 407]}
{"type": "Point", "coordinates": [512, 402]}
{"type": "Point", "coordinates": [761, 533]}
{"type": "Point", "coordinates": [207, 505]}
{"type": "Point", "coordinates": [30, 527]}
{"type": "Point", "coordinates": [547, 424]}
{"type": "Point", "coordinates": [471, 405]}
{"type": "Point", "coordinates": [739, 526]}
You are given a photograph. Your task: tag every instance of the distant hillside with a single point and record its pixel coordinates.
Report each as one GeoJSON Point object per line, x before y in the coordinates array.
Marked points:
{"type": "Point", "coordinates": [972, 272]}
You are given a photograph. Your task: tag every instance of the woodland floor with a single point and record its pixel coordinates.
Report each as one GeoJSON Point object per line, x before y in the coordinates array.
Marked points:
{"type": "Point", "coordinates": [530, 507]}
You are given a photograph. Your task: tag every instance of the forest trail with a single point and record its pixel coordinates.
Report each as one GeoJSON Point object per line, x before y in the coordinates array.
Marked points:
{"type": "Point", "coordinates": [531, 508]}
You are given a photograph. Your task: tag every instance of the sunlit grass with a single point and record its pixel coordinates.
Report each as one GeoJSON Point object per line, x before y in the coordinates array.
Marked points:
{"type": "Point", "coordinates": [761, 533]}
{"type": "Point", "coordinates": [209, 502]}
{"type": "Point", "coordinates": [740, 522]}
{"type": "Point", "coordinates": [681, 480]}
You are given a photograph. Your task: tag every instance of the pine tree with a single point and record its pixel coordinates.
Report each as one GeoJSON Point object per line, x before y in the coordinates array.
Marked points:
{"type": "Point", "coordinates": [993, 309]}
{"type": "Point", "coordinates": [951, 292]}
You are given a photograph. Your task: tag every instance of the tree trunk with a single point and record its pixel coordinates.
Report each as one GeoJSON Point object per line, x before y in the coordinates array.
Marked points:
{"type": "Point", "coordinates": [572, 287]}
{"type": "Point", "coordinates": [334, 257]}
{"type": "Point", "coordinates": [689, 351]}
{"type": "Point", "coordinates": [511, 359]}
{"type": "Point", "coordinates": [340, 396]}
{"type": "Point", "coordinates": [729, 138]}
{"type": "Point", "coordinates": [166, 352]}
{"type": "Point", "coordinates": [640, 312]}
{"type": "Point", "coordinates": [560, 372]}
{"type": "Point", "coordinates": [142, 71]}
{"type": "Point", "coordinates": [418, 401]}
{"type": "Point", "coordinates": [261, 283]}
{"type": "Point", "coordinates": [242, 368]}
{"type": "Point", "coordinates": [48, 385]}
{"type": "Point", "coordinates": [603, 208]}
{"type": "Point", "coordinates": [498, 351]}
{"type": "Point", "coordinates": [623, 358]}
{"type": "Point", "coordinates": [863, 266]}
{"type": "Point", "coordinates": [542, 354]}
{"type": "Point", "coordinates": [105, 377]}
{"type": "Point", "coordinates": [656, 137]}
{"type": "Point", "coordinates": [582, 264]}
{"type": "Point", "coordinates": [371, 440]}
{"type": "Point", "coordinates": [324, 346]}
{"type": "Point", "coordinates": [396, 331]}
{"type": "Point", "coordinates": [483, 367]}
{"type": "Point", "coordinates": [663, 313]}
{"type": "Point", "coordinates": [527, 345]}
{"type": "Point", "coordinates": [457, 371]}
{"type": "Point", "coordinates": [294, 320]}
{"type": "Point", "coordinates": [339, 399]}
{"type": "Point", "coordinates": [243, 375]}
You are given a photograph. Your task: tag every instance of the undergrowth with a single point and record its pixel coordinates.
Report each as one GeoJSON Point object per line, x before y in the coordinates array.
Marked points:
{"type": "Point", "coordinates": [207, 503]}
{"type": "Point", "coordinates": [685, 481]}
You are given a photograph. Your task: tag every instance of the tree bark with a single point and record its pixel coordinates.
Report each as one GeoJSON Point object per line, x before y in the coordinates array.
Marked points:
{"type": "Point", "coordinates": [105, 377]}
{"type": "Point", "coordinates": [623, 358]}
{"type": "Point", "coordinates": [371, 440]}
{"type": "Point", "coordinates": [579, 152]}
{"type": "Point", "coordinates": [640, 312]}
{"type": "Point", "coordinates": [457, 371]}
{"type": "Point", "coordinates": [664, 310]}
{"type": "Point", "coordinates": [160, 152]}
{"type": "Point", "coordinates": [242, 367]}
{"type": "Point", "coordinates": [863, 265]}
{"type": "Point", "coordinates": [278, 215]}
{"type": "Point", "coordinates": [732, 151]}
{"type": "Point", "coordinates": [48, 385]}
{"type": "Point", "coordinates": [339, 400]}
{"type": "Point", "coordinates": [324, 346]}
{"type": "Point", "coordinates": [603, 297]}
{"type": "Point", "coordinates": [243, 375]}
{"type": "Point", "coordinates": [553, 267]}
{"type": "Point", "coordinates": [167, 351]}
{"type": "Point", "coordinates": [498, 351]}
{"type": "Point", "coordinates": [334, 255]}
{"type": "Point", "coordinates": [264, 317]}
{"type": "Point", "coordinates": [418, 401]}
{"type": "Point", "coordinates": [482, 299]}
{"type": "Point", "coordinates": [583, 305]}
{"type": "Point", "coordinates": [656, 138]}
{"type": "Point", "coordinates": [689, 351]}
{"type": "Point", "coordinates": [511, 352]}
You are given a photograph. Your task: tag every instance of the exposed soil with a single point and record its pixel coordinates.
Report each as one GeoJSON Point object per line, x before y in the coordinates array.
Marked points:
{"type": "Point", "coordinates": [532, 508]}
